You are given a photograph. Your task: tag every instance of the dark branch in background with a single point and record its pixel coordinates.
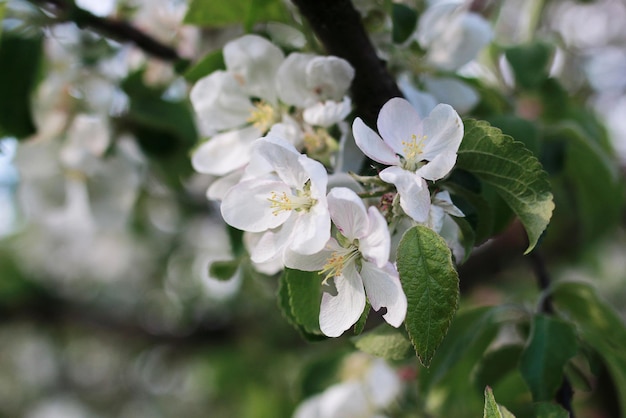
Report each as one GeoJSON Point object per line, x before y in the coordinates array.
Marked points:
{"type": "Point", "coordinates": [118, 30]}
{"type": "Point", "coordinates": [338, 26]}
{"type": "Point", "coordinates": [565, 393]}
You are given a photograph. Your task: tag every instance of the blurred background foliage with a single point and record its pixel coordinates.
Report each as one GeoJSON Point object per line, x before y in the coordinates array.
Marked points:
{"type": "Point", "coordinates": [107, 305]}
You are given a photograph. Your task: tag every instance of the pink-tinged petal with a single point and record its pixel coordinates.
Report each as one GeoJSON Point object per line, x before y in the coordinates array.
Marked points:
{"type": "Point", "coordinates": [291, 80]}
{"type": "Point", "coordinates": [247, 205]}
{"type": "Point", "coordinates": [439, 167]}
{"type": "Point", "coordinates": [372, 145]}
{"type": "Point", "coordinates": [219, 102]}
{"type": "Point", "coordinates": [311, 231]}
{"type": "Point", "coordinates": [414, 194]}
{"type": "Point", "coordinates": [398, 121]}
{"type": "Point", "coordinates": [311, 262]}
{"type": "Point", "coordinates": [225, 152]}
{"type": "Point", "coordinates": [443, 129]}
{"type": "Point", "coordinates": [348, 213]}
{"type": "Point", "coordinates": [341, 311]}
{"type": "Point", "coordinates": [271, 244]}
{"type": "Point", "coordinates": [254, 62]}
{"type": "Point", "coordinates": [375, 244]}
{"type": "Point", "coordinates": [383, 289]}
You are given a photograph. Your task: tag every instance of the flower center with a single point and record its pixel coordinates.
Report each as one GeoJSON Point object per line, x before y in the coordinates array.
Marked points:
{"type": "Point", "coordinates": [412, 150]}
{"type": "Point", "coordinates": [263, 116]}
{"type": "Point", "coordinates": [338, 260]}
{"type": "Point", "coordinates": [301, 201]}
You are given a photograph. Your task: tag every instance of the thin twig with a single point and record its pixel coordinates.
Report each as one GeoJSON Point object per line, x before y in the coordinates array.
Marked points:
{"type": "Point", "coordinates": [118, 30]}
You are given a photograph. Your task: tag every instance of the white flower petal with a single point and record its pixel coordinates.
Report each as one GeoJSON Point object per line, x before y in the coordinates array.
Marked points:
{"type": "Point", "coordinates": [444, 131]}
{"type": "Point", "coordinates": [413, 190]}
{"type": "Point", "coordinates": [327, 113]}
{"type": "Point", "coordinates": [218, 189]}
{"type": "Point", "coordinates": [225, 152]}
{"type": "Point", "coordinates": [329, 77]}
{"type": "Point", "coordinates": [284, 160]}
{"type": "Point", "coordinates": [345, 400]}
{"type": "Point", "coordinates": [348, 213]}
{"type": "Point", "coordinates": [311, 231]}
{"type": "Point", "coordinates": [458, 94]}
{"type": "Point", "coordinates": [291, 80]}
{"type": "Point", "coordinates": [372, 144]}
{"type": "Point", "coordinates": [219, 102]}
{"type": "Point", "coordinates": [310, 408]}
{"type": "Point", "coordinates": [383, 289]}
{"type": "Point", "coordinates": [271, 244]}
{"type": "Point", "coordinates": [310, 262]}
{"type": "Point", "coordinates": [340, 312]}
{"type": "Point", "coordinates": [246, 206]}
{"type": "Point", "coordinates": [444, 201]}
{"type": "Point", "coordinates": [398, 122]}
{"type": "Point", "coordinates": [376, 243]}
{"type": "Point", "coordinates": [383, 383]}
{"type": "Point", "coordinates": [254, 61]}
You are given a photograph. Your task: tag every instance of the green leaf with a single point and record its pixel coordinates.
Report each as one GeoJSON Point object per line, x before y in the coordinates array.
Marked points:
{"type": "Point", "coordinates": [20, 58]}
{"type": "Point", "coordinates": [384, 341]}
{"type": "Point", "coordinates": [284, 303]}
{"type": "Point", "coordinates": [360, 324]}
{"type": "Point", "coordinates": [552, 343]}
{"type": "Point", "coordinates": [514, 172]}
{"type": "Point", "coordinates": [211, 62]}
{"type": "Point", "coordinates": [530, 63]}
{"type": "Point", "coordinates": [211, 13]}
{"type": "Point", "coordinates": [497, 364]}
{"type": "Point", "coordinates": [431, 285]}
{"type": "Point", "coordinates": [549, 410]}
{"type": "Point", "coordinates": [404, 20]}
{"type": "Point", "coordinates": [223, 270]}
{"type": "Point", "coordinates": [304, 298]}
{"type": "Point", "coordinates": [599, 326]}
{"type": "Point", "coordinates": [492, 409]}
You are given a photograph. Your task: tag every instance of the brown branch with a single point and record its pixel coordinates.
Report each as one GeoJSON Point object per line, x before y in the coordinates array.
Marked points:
{"type": "Point", "coordinates": [118, 30]}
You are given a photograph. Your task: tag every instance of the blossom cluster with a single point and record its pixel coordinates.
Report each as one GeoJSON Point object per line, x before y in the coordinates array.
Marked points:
{"type": "Point", "coordinates": [274, 125]}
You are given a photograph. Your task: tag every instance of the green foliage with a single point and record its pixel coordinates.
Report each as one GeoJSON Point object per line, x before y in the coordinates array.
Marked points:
{"type": "Point", "coordinates": [299, 299]}
{"type": "Point", "coordinates": [384, 341]}
{"type": "Point", "coordinates": [598, 325]}
{"type": "Point", "coordinates": [549, 410]}
{"type": "Point", "coordinates": [431, 285]}
{"type": "Point", "coordinates": [214, 14]}
{"type": "Point", "coordinates": [514, 172]}
{"type": "Point", "coordinates": [20, 59]}
{"type": "Point", "coordinates": [492, 409]}
{"type": "Point", "coordinates": [212, 61]}
{"type": "Point", "coordinates": [530, 63]}
{"type": "Point", "coordinates": [224, 270]}
{"type": "Point", "coordinates": [404, 20]}
{"type": "Point", "coordinates": [552, 343]}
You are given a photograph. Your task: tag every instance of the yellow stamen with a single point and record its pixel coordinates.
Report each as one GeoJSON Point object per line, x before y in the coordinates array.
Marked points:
{"type": "Point", "coordinates": [263, 116]}
{"type": "Point", "coordinates": [338, 260]}
{"type": "Point", "coordinates": [282, 202]}
{"type": "Point", "coordinates": [414, 148]}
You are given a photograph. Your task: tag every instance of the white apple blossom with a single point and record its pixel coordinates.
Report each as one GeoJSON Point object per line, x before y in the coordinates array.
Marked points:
{"type": "Point", "coordinates": [416, 149]}
{"type": "Point", "coordinates": [358, 263]}
{"type": "Point", "coordinates": [369, 388]}
{"type": "Point", "coordinates": [283, 195]}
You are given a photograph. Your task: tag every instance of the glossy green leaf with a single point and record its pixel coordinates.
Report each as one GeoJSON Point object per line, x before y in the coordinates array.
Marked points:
{"type": "Point", "coordinates": [304, 298]}
{"type": "Point", "coordinates": [360, 324]}
{"type": "Point", "coordinates": [20, 58]}
{"type": "Point", "coordinates": [492, 409]}
{"type": "Point", "coordinates": [404, 20]}
{"type": "Point", "coordinates": [223, 270]}
{"type": "Point", "coordinates": [599, 326]}
{"type": "Point", "coordinates": [549, 410]}
{"type": "Point", "coordinates": [211, 13]}
{"type": "Point", "coordinates": [552, 343]}
{"type": "Point", "coordinates": [385, 341]}
{"type": "Point", "coordinates": [211, 62]}
{"type": "Point", "coordinates": [514, 172]}
{"type": "Point", "coordinates": [431, 285]}
{"type": "Point", "coordinates": [497, 364]}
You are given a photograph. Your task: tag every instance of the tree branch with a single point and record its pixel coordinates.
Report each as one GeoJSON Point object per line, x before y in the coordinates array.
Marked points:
{"type": "Point", "coordinates": [338, 26]}
{"type": "Point", "coordinates": [115, 29]}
